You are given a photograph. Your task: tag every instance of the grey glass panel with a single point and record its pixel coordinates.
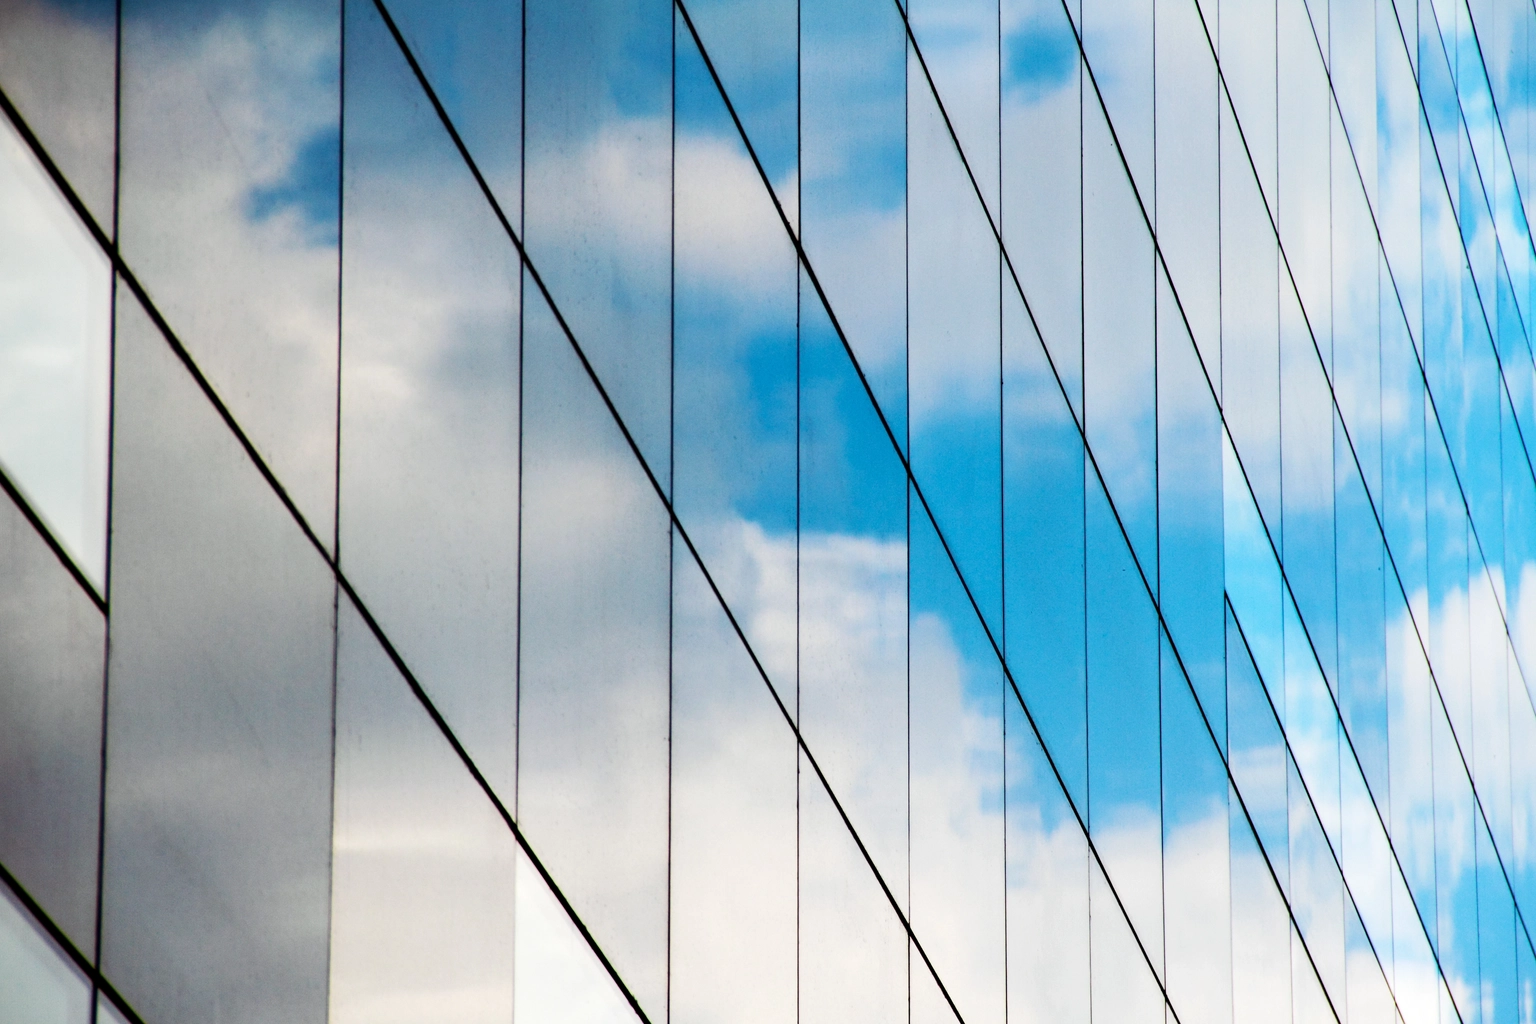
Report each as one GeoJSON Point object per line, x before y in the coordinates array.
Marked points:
{"type": "Point", "coordinates": [1041, 212]}
{"type": "Point", "coordinates": [734, 323]}
{"type": "Point", "coordinates": [58, 67]}
{"type": "Point", "coordinates": [598, 181]}
{"type": "Point", "coordinates": [954, 348]}
{"type": "Point", "coordinates": [956, 783]}
{"type": "Point", "coordinates": [853, 951]}
{"type": "Point", "coordinates": [1352, 68]}
{"type": "Point", "coordinates": [229, 157]}
{"type": "Point", "coordinates": [37, 984]}
{"type": "Point", "coordinates": [593, 674]}
{"type": "Point", "coordinates": [852, 566]}
{"type": "Point", "coordinates": [423, 868]}
{"type": "Point", "coordinates": [753, 45]}
{"type": "Point", "coordinates": [1047, 865]}
{"type": "Point", "coordinates": [853, 182]}
{"type": "Point", "coordinates": [219, 716]}
{"type": "Point", "coordinates": [1044, 585]}
{"type": "Point", "coordinates": [55, 342]}
{"type": "Point", "coordinates": [958, 40]}
{"type": "Point", "coordinates": [733, 817]}
{"type": "Point", "coordinates": [52, 644]}
{"type": "Point", "coordinates": [472, 53]}
{"type": "Point", "coordinates": [429, 470]}
{"type": "Point", "coordinates": [1119, 338]}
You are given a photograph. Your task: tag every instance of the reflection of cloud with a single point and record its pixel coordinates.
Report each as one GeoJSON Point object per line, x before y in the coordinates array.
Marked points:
{"type": "Point", "coordinates": [213, 118]}
{"type": "Point", "coordinates": [55, 295]}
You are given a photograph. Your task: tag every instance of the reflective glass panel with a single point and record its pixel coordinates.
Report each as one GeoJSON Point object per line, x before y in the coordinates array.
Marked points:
{"type": "Point", "coordinates": [219, 724]}
{"type": "Point", "coordinates": [55, 342]}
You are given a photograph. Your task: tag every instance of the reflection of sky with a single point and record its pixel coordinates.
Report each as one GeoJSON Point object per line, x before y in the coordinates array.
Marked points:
{"type": "Point", "coordinates": [774, 428]}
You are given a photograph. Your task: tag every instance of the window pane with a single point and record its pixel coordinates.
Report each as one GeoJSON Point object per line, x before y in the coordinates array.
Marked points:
{"type": "Point", "coordinates": [219, 716]}
{"type": "Point", "coordinates": [55, 339]}
{"type": "Point", "coordinates": [37, 984]}
{"type": "Point", "coordinates": [52, 644]}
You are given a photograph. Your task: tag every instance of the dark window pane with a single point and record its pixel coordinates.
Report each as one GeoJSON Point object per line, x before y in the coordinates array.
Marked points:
{"type": "Point", "coordinates": [219, 716]}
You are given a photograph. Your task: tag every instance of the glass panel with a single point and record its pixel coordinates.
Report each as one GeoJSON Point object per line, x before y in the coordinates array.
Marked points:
{"type": "Point", "coordinates": [1045, 583]}
{"type": "Point", "coordinates": [958, 40]}
{"type": "Point", "coordinates": [1124, 987]}
{"type": "Point", "coordinates": [1119, 339]}
{"type": "Point", "coordinates": [1124, 779]}
{"type": "Point", "coordinates": [55, 341]}
{"type": "Point", "coordinates": [423, 866]}
{"type": "Point", "coordinates": [853, 950]}
{"type": "Point", "coordinates": [593, 679]}
{"type": "Point", "coordinates": [58, 66]}
{"type": "Point", "coordinates": [429, 471]}
{"type": "Point", "coordinates": [1041, 216]}
{"type": "Point", "coordinates": [52, 644]}
{"type": "Point", "coordinates": [1302, 205]}
{"type": "Point", "coordinates": [105, 1011]}
{"type": "Point", "coordinates": [954, 348]}
{"type": "Point", "coordinates": [753, 47]}
{"type": "Point", "coordinates": [1191, 537]}
{"type": "Point", "coordinates": [734, 323]}
{"type": "Point", "coordinates": [853, 183]}
{"type": "Point", "coordinates": [1188, 208]}
{"type": "Point", "coordinates": [37, 985]}
{"type": "Point", "coordinates": [229, 153]}
{"type": "Point", "coordinates": [733, 814]}
{"type": "Point", "coordinates": [1118, 43]}
{"type": "Point", "coordinates": [957, 787]}
{"type": "Point", "coordinates": [1250, 320]}
{"type": "Point", "coordinates": [1245, 42]}
{"type": "Point", "coordinates": [1261, 946]}
{"type": "Point", "coordinates": [598, 181]}
{"type": "Point", "coordinates": [219, 716]}
{"type": "Point", "coordinates": [852, 565]}
{"type": "Point", "coordinates": [559, 979]}
{"type": "Point", "coordinates": [472, 53]}
{"type": "Point", "coordinates": [1197, 881]}
{"type": "Point", "coordinates": [1047, 864]}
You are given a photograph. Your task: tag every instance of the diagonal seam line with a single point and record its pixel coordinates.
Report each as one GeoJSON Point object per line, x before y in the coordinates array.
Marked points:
{"type": "Point", "coordinates": [45, 534]}
{"type": "Point", "coordinates": [81, 962]}
{"type": "Point", "coordinates": [661, 495]}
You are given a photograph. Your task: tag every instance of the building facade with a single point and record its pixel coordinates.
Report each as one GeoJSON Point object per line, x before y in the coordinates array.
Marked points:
{"type": "Point", "coordinates": [767, 510]}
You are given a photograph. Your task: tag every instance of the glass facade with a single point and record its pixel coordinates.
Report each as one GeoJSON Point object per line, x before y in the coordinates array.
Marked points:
{"type": "Point", "coordinates": [767, 510]}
